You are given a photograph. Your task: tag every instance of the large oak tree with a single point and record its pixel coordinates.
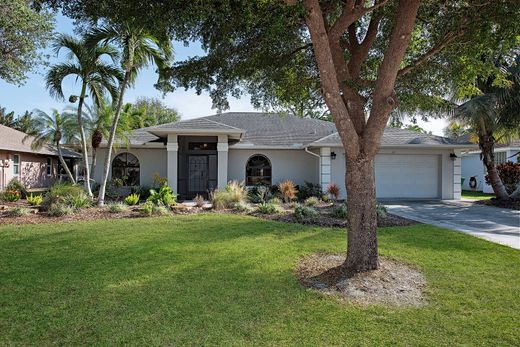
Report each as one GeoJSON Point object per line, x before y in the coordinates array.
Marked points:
{"type": "Point", "coordinates": [366, 58]}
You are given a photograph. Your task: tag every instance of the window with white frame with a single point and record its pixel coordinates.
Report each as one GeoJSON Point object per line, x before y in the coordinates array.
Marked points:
{"type": "Point", "coordinates": [49, 166]}
{"type": "Point", "coordinates": [16, 164]}
{"type": "Point", "coordinates": [500, 157]}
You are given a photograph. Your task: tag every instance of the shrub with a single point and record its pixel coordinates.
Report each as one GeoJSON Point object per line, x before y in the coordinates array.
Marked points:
{"type": "Point", "coordinates": [159, 181]}
{"type": "Point", "coordinates": [381, 210]}
{"type": "Point", "coordinates": [116, 207]}
{"type": "Point", "coordinates": [242, 207]}
{"type": "Point", "coordinates": [334, 191]}
{"type": "Point", "coordinates": [275, 201]}
{"type": "Point", "coordinates": [164, 196]}
{"type": "Point", "coordinates": [199, 200]}
{"type": "Point", "coordinates": [509, 173]}
{"type": "Point", "coordinates": [288, 190]}
{"type": "Point", "coordinates": [78, 202]}
{"type": "Point", "coordinates": [59, 193]}
{"type": "Point", "coordinates": [59, 210]}
{"type": "Point", "coordinates": [160, 210]}
{"type": "Point", "coordinates": [16, 185]}
{"type": "Point", "coordinates": [18, 211]}
{"type": "Point", "coordinates": [132, 199]}
{"type": "Point", "coordinates": [229, 196]}
{"type": "Point", "coordinates": [142, 191]}
{"type": "Point", "coordinates": [309, 189]}
{"type": "Point", "coordinates": [325, 198]}
{"type": "Point", "coordinates": [34, 200]}
{"type": "Point", "coordinates": [11, 195]}
{"type": "Point", "coordinates": [301, 212]}
{"type": "Point", "coordinates": [147, 208]}
{"type": "Point", "coordinates": [339, 212]}
{"type": "Point", "coordinates": [312, 201]}
{"type": "Point", "coordinates": [267, 208]}
{"type": "Point", "coordinates": [258, 194]}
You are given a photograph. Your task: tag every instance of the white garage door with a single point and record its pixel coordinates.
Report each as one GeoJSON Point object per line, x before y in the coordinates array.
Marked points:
{"type": "Point", "coordinates": [407, 176]}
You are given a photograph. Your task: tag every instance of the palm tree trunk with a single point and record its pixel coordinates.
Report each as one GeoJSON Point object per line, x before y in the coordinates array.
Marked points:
{"type": "Point", "coordinates": [62, 161]}
{"type": "Point", "coordinates": [94, 161]}
{"type": "Point", "coordinates": [487, 147]}
{"type": "Point", "coordinates": [84, 139]}
{"type": "Point", "coordinates": [111, 138]}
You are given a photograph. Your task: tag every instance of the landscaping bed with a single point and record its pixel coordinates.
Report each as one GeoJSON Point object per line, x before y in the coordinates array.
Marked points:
{"type": "Point", "coordinates": [510, 204]}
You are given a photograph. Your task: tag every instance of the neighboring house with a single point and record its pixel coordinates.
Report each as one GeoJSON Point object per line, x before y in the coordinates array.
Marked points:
{"type": "Point", "coordinates": [472, 166]}
{"type": "Point", "coordinates": [34, 168]}
{"type": "Point", "coordinates": [202, 154]}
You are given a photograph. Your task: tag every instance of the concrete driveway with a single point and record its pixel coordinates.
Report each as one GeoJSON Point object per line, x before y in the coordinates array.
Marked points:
{"type": "Point", "coordinates": [491, 223]}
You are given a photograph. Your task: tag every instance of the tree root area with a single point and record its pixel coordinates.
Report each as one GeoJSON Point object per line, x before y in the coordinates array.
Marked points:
{"type": "Point", "coordinates": [392, 284]}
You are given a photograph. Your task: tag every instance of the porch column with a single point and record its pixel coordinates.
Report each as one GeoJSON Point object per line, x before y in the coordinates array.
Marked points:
{"type": "Point", "coordinates": [457, 188]}
{"type": "Point", "coordinates": [172, 148]}
{"type": "Point", "coordinates": [325, 167]}
{"type": "Point", "coordinates": [222, 161]}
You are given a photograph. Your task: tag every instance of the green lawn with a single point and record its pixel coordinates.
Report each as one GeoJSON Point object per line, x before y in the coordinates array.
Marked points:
{"type": "Point", "coordinates": [228, 280]}
{"type": "Point", "coordinates": [469, 194]}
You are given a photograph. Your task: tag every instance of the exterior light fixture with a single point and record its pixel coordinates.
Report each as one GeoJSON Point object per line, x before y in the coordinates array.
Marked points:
{"type": "Point", "coordinates": [332, 155]}
{"type": "Point", "coordinates": [453, 156]}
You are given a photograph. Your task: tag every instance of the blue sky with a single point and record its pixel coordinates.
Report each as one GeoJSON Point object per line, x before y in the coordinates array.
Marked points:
{"type": "Point", "coordinates": [33, 93]}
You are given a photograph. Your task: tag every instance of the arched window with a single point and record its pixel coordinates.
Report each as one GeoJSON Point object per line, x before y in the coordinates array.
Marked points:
{"type": "Point", "coordinates": [258, 170]}
{"type": "Point", "coordinates": [125, 167]}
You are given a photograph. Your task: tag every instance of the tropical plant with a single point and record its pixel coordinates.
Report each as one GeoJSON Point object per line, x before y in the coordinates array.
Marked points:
{"type": "Point", "coordinates": [59, 210]}
{"type": "Point", "coordinates": [18, 211]}
{"type": "Point", "coordinates": [258, 194]}
{"type": "Point", "coordinates": [163, 196]}
{"type": "Point", "coordinates": [116, 207]}
{"type": "Point", "coordinates": [275, 200]}
{"type": "Point", "coordinates": [139, 48]}
{"type": "Point", "coordinates": [334, 190]}
{"type": "Point", "coordinates": [160, 210]}
{"type": "Point", "coordinates": [301, 212]}
{"type": "Point", "coordinates": [288, 190]}
{"type": "Point", "coordinates": [311, 201]}
{"type": "Point", "coordinates": [34, 200]}
{"type": "Point", "coordinates": [11, 195]}
{"type": "Point", "coordinates": [52, 129]}
{"type": "Point", "coordinates": [308, 189]}
{"type": "Point", "coordinates": [78, 201]}
{"type": "Point", "coordinates": [381, 210]}
{"type": "Point", "coordinates": [242, 207]}
{"type": "Point", "coordinates": [96, 75]}
{"type": "Point", "coordinates": [147, 208]}
{"type": "Point", "coordinates": [339, 211]}
{"type": "Point", "coordinates": [493, 117]}
{"type": "Point", "coordinates": [199, 200]}
{"type": "Point", "coordinates": [509, 173]}
{"type": "Point", "coordinates": [60, 193]}
{"type": "Point", "coordinates": [15, 184]}
{"type": "Point", "coordinates": [233, 193]}
{"type": "Point", "coordinates": [132, 199]}
{"type": "Point", "coordinates": [267, 208]}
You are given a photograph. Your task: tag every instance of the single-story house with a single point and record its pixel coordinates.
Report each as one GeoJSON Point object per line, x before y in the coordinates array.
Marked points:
{"type": "Point", "coordinates": [198, 155]}
{"type": "Point", "coordinates": [34, 168]}
{"type": "Point", "coordinates": [472, 165]}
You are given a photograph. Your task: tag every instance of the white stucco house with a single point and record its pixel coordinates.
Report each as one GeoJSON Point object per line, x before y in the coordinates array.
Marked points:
{"type": "Point", "coordinates": [472, 166]}
{"type": "Point", "coordinates": [198, 155]}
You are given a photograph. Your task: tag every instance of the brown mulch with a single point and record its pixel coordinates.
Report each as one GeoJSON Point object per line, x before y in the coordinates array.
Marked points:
{"type": "Point", "coordinates": [511, 204]}
{"type": "Point", "coordinates": [393, 284]}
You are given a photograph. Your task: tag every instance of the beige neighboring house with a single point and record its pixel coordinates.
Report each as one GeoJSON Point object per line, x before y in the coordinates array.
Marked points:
{"type": "Point", "coordinates": [34, 168]}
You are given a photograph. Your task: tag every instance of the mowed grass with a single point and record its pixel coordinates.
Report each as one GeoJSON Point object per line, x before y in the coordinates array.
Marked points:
{"type": "Point", "coordinates": [229, 280]}
{"type": "Point", "coordinates": [469, 194]}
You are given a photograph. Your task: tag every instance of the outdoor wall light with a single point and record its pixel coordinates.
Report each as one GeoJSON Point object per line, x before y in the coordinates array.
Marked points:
{"type": "Point", "coordinates": [332, 155]}
{"type": "Point", "coordinates": [453, 156]}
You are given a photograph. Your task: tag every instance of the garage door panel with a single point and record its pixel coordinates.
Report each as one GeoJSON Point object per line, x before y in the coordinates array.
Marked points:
{"type": "Point", "coordinates": [407, 176]}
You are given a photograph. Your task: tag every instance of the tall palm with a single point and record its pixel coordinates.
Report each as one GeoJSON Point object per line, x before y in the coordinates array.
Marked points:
{"type": "Point", "coordinates": [51, 128]}
{"type": "Point", "coordinates": [139, 49]}
{"type": "Point", "coordinates": [97, 77]}
{"type": "Point", "coordinates": [493, 118]}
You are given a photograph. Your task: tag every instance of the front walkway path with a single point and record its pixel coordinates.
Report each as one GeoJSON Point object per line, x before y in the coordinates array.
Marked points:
{"type": "Point", "coordinates": [491, 223]}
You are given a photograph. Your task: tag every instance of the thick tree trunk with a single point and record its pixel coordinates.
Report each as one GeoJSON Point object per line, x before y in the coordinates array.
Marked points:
{"type": "Point", "coordinates": [65, 167]}
{"type": "Point", "coordinates": [84, 139]}
{"type": "Point", "coordinates": [362, 216]}
{"type": "Point", "coordinates": [111, 139]}
{"type": "Point", "coordinates": [487, 146]}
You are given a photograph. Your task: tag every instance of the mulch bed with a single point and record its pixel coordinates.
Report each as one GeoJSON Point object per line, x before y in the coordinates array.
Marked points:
{"type": "Point", "coordinates": [511, 204]}
{"type": "Point", "coordinates": [392, 284]}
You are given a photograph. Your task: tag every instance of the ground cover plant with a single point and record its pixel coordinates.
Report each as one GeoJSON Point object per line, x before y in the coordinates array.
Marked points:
{"type": "Point", "coordinates": [216, 279]}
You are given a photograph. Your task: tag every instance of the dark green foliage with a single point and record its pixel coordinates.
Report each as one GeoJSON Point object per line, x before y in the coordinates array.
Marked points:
{"type": "Point", "coordinates": [18, 211]}
{"type": "Point", "coordinates": [64, 194]}
{"type": "Point", "coordinates": [308, 189]}
{"type": "Point", "coordinates": [11, 195]}
{"type": "Point", "coordinates": [267, 208]}
{"type": "Point", "coordinates": [509, 173]}
{"type": "Point", "coordinates": [339, 211]}
{"type": "Point", "coordinates": [301, 212]}
{"type": "Point", "coordinates": [15, 185]}
{"type": "Point", "coordinates": [162, 196]}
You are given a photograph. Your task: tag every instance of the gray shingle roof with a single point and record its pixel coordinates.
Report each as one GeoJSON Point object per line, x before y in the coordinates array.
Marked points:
{"type": "Point", "coordinates": [17, 141]}
{"type": "Point", "coordinates": [400, 137]}
{"type": "Point", "coordinates": [279, 130]}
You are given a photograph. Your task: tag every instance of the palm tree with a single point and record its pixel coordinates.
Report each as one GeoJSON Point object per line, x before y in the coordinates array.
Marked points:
{"type": "Point", "coordinates": [493, 118]}
{"type": "Point", "coordinates": [96, 75]}
{"type": "Point", "coordinates": [139, 49]}
{"type": "Point", "coordinates": [53, 129]}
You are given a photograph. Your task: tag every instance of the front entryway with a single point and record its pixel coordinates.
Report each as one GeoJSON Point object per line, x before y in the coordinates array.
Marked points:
{"type": "Point", "coordinates": [197, 166]}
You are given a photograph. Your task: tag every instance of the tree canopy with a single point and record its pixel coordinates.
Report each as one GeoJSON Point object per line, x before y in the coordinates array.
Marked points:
{"type": "Point", "coordinates": [23, 31]}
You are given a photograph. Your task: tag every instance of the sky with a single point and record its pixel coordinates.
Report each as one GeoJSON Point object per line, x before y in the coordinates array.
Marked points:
{"type": "Point", "coordinates": [33, 94]}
